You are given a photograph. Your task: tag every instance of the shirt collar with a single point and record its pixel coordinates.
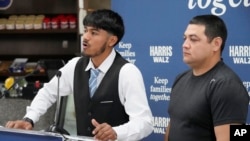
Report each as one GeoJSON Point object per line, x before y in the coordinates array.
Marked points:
{"type": "Point", "coordinates": [106, 64]}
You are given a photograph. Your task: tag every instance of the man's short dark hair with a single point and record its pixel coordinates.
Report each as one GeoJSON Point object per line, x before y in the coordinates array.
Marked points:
{"type": "Point", "coordinates": [214, 27]}
{"type": "Point", "coordinates": [107, 20]}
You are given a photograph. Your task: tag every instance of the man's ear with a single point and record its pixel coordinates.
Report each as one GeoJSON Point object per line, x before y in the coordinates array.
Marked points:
{"type": "Point", "coordinates": [217, 42]}
{"type": "Point", "coordinates": [112, 40]}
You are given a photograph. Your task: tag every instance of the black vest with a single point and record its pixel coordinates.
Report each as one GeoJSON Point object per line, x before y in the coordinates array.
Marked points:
{"type": "Point", "coordinates": [105, 105]}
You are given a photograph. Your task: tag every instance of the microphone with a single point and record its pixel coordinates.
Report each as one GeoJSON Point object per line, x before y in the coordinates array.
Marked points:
{"type": "Point", "coordinates": [55, 126]}
{"type": "Point", "coordinates": [17, 81]}
{"type": "Point", "coordinates": [58, 75]}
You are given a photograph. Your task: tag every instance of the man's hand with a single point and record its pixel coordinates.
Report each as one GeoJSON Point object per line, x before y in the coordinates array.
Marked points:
{"type": "Point", "coordinates": [19, 124]}
{"type": "Point", "coordinates": [103, 132]}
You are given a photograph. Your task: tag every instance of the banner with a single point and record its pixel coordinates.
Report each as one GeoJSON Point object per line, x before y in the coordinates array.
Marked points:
{"type": "Point", "coordinates": [153, 42]}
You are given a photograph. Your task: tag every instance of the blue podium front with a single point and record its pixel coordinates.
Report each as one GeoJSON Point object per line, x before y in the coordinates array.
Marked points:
{"type": "Point", "coordinates": [27, 135]}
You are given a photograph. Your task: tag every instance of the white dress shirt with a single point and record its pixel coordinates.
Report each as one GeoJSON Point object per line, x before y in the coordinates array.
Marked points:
{"type": "Point", "coordinates": [132, 94]}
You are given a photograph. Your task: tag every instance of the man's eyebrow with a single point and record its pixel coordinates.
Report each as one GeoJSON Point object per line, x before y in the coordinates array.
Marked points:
{"type": "Point", "coordinates": [192, 35]}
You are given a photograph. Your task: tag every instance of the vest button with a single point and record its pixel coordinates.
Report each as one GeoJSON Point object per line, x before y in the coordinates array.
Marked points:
{"type": "Point", "coordinates": [89, 113]}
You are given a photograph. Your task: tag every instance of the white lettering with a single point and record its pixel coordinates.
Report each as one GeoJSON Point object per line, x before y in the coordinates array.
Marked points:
{"type": "Point", "coordinates": [159, 130]}
{"type": "Point", "coordinates": [125, 45]}
{"type": "Point", "coordinates": [237, 132]}
{"type": "Point", "coordinates": [239, 51]}
{"type": "Point", "coordinates": [161, 59]}
{"type": "Point", "coordinates": [246, 3]}
{"type": "Point", "coordinates": [161, 51]}
{"type": "Point", "coordinates": [219, 8]}
{"type": "Point", "coordinates": [205, 5]}
{"type": "Point", "coordinates": [240, 132]}
{"type": "Point", "coordinates": [157, 98]}
{"type": "Point", "coordinates": [233, 4]}
{"type": "Point", "coordinates": [246, 84]}
{"type": "Point", "coordinates": [158, 80]}
{"type": "Point", "coordinates": [161, 121]}
{"type": "Point", "coordinates": [160, 89]}
{"type": "Point", "coordinates": [241, 60]}
{"type": "Point", "coordinates": [131, 60]}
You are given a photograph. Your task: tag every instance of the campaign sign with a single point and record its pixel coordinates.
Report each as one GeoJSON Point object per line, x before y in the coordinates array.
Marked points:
{"type": "Point", "coordinates": [153, 41]}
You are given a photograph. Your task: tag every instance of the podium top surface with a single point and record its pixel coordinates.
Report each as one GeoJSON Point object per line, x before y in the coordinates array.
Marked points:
{"type": "Point", "coordinates": [8, 134]}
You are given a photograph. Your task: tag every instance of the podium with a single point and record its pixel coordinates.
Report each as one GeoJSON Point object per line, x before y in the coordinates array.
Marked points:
{"type": "Point", "coordinates": [7, 134]}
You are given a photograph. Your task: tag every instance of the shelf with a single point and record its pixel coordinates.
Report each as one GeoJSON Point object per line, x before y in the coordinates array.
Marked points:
{"type": "Point", "coordinates": [4, 70]}
{"type": "Point", "coordinates": [37, 44]}
{"type": "Point", "coordinates": [7, 74]}
{"type": "Point", "coordinates": [38, 31]}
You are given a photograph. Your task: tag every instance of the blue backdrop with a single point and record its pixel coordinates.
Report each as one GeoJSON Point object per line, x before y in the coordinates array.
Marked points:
{"type": "Point", "coordinates": [154, 37]}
